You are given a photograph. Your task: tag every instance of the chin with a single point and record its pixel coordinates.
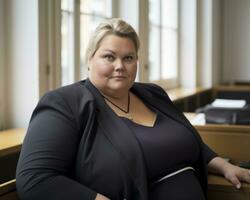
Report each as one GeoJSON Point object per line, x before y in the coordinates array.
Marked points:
{"type": "Point", "coordinates": [118, 87]}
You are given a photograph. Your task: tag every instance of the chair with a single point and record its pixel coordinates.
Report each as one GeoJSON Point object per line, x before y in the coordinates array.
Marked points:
{"type": "Point", "coordinates": [8, 190]}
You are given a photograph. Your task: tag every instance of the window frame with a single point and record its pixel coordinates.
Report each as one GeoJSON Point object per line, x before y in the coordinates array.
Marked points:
{"type": "Point", "coordinates": [143, 26]}
{"type": "Point", "coordinates": [77, 39]}
{"type": "Point", "coordinates": [167, 83]}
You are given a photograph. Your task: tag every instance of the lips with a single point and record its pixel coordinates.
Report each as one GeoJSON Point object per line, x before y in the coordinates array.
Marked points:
{"type": "Point", "coordinates": [119, 77]}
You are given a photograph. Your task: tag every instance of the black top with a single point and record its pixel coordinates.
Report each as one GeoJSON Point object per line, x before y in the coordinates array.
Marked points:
{"type": "Point", "coordinates": [167, 147]}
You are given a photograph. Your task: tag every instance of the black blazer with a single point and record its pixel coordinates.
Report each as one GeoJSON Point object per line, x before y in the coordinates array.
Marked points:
{"type": "Point", "coordinates": [76, 146]}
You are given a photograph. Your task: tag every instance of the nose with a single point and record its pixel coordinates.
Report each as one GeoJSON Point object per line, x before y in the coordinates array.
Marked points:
{"type": "Point", "coordinates": [119, 65]}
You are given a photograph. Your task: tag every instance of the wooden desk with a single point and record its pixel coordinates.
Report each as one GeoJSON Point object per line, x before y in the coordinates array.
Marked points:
{"type": "Point", "coordinates": [179, 94]}
{"type": "Point", "coordinates": [232, 92]}
{"type": "Point", "coordinates": [11, 141]}
{"type": "Point", "coordinates": [188, 99]}
{"type": "Point", "coordinates": [231, 141]}
{"type": "Point", "coordinates": [220, 189]}
{"type": "Point", "coordinates": [232, 88]}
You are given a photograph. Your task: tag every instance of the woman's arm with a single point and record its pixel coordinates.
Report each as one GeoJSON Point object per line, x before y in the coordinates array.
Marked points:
{"type": "Point", "coordinates": [232, 173]}
{"type": "Point", "coordinates": [47, 161]}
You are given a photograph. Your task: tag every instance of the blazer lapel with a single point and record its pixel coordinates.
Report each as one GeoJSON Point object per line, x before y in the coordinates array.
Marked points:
{"type": "Point", "coordinates": [164, 105]}
{"type": "Point", "coordinates": [123, 139]}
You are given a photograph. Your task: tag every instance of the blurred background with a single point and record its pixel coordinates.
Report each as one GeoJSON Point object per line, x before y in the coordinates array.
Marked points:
{"type": "Point", "coordinates": [184, 44]}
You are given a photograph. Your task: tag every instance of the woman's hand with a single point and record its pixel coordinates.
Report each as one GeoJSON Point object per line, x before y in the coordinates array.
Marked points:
{"type": "Point", "coordinates": [232, 173]}
{"type": "Point", "coordinates": [101, 197]}
{"type": "Point", "coordinates": [236, 175]}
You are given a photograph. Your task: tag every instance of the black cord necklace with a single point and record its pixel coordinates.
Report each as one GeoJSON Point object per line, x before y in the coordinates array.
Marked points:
{"type": "Point", "coordinates": [125, 111]}
{"type": "Point", "coordinates": [128, 115]}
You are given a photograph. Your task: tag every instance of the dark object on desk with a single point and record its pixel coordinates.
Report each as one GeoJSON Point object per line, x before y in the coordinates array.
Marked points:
{"type": "Point", "coordinates": [245, 165]}
{"type": "Point", "coordinates": [214, 115]}
{"type": "Point", "coordinates": [234, 93]}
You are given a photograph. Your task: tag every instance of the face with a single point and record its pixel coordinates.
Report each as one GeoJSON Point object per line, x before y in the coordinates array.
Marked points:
{"type": "Point", "coordinates": [113, 67]}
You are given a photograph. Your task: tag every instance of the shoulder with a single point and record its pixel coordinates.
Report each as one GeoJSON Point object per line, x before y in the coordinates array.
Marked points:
{"type": "Point", "coordinates": [73, 98]}
{"type": "Point", "coordinates": [68, 101]}
{"type": "Point", "coordinates": [69, 93]}
{"type": "Point", "coordinates": [152, 89]}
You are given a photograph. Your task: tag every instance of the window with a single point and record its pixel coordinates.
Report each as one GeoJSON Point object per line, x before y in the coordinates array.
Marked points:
{"type": "Point", "coordinates": [80, 17]}
{"type": "Point", "coordinates": [163, 41]}
{"type": "Point", "coordinates": [67, 41]}
{"type": "Point", "coordinates": [92, 13]}
{"type": "Point", "coordinates": [78, 20]}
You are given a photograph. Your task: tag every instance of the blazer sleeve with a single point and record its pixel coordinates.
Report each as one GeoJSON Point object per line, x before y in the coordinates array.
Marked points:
{"type": "Point", "coordinates": [209, 153]}
{"type": "Point", "coordinates": [47, 160]}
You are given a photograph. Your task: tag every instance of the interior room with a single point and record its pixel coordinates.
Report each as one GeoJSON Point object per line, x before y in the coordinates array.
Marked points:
{"type": "Point", "coordinates": [197, 51]}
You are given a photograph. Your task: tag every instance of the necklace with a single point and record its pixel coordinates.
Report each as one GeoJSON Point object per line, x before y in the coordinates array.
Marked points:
{"type": "Point", "coordinates": [128, 115]}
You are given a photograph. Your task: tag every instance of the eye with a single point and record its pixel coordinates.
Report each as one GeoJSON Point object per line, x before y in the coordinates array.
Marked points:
{"type": "Point", "coordinates": [129, 59]}
{"type": "Point", "coordinates": [109, 57]}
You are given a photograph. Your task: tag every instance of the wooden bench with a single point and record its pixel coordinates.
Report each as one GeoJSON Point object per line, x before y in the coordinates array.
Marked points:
{"type": "Point", "coordinates": [10, 145]}
{"type": "Point", "coordinates": [8, 191]}
{"type": "Point", "coordinates": [11, 141]}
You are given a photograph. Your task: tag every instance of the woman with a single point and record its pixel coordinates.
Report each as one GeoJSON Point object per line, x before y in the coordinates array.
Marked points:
{"type": "Point", "coordinates": [110, 138]}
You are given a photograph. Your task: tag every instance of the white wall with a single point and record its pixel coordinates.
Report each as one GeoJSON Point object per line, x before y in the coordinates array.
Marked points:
{"type": "Point", "coordinates": [2, 65]}
{"type": "Point", "coordinates": [22, 61]}
{"type": "Point", "coordinates": [217, 13]}
{"type": "Point", "coordinates": [236, 47]}
{"type": "Point", "coordinates": [204, 39]}
{"type": "Point", "coordinates": [200, 43]}
{"type": "Point", "coordinates": [209, 42]}
{"type": "Point", "coordinates": [188, 43]}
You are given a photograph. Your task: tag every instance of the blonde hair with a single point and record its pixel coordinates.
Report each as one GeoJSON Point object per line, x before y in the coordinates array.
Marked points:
{"type": "Point", "coordinates": [114, 26]}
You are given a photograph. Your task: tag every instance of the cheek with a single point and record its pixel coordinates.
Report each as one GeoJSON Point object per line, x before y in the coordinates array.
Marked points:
{"type": "Point", "coordinates": [101, 69]}
{"type": "Point", "coordinates": [132, 69]}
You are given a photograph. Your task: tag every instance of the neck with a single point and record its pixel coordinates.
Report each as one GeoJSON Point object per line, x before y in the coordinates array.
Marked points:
{"type": "Point", "coordinates": [118, 96]}
{"type": "Point", "coordinates": [122, 106]}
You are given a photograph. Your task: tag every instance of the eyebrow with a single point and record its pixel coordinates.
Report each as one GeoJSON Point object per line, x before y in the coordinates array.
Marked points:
{"type": "Point", "coordinates": [110, 51]}
{"type": "Point", "coordinates": [129, 53]}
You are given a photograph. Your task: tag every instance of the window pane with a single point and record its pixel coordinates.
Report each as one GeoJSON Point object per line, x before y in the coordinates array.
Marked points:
{"type": "Point", "coordinates": [154, 52]}
{"type": "Point", "coordinates": [154, 10]}
{"type": "Point", "coordinates": [67, 73]}
{"type": "Point", "coordinates": [163, 38]}
{"type": "Point", "coordinates": [169, 13]}
{"type": "Point", "coordinates": [92, 13]}
{"type": "Point", "coordinates": [89, 23]}
{"type": "Point", "coordinates": [97, 7]}
{"type": "Point", "coordinates": [169, 54]}
{"type": "Point", "coordinates": [67, 5]}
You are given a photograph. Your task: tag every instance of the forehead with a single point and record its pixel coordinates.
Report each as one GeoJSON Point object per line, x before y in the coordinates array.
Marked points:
{"type": "Point", "coordinates": [115, 42]}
